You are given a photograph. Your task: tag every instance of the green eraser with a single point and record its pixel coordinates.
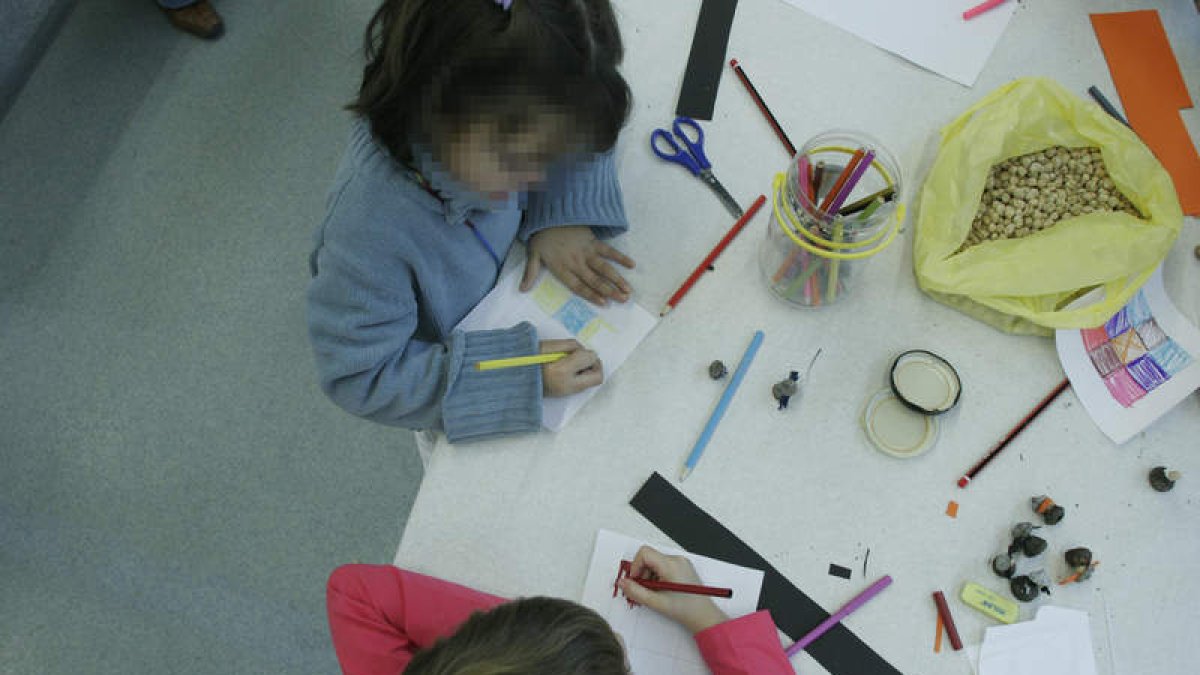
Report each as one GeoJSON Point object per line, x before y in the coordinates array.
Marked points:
{"type": "Point", "coordinates": [990, 602]}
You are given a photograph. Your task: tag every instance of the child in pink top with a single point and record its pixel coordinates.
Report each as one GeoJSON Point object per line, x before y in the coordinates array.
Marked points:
{"type": "Point", "coordinates": [385, 619]}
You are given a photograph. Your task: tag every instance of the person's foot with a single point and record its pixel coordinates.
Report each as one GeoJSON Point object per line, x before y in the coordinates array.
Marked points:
{"type": "Point", "coordinates": [198, 18]}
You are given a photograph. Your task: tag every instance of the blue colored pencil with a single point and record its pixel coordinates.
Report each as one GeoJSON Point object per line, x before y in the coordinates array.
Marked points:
{"type": "Point", "coordinates": [722, 405]}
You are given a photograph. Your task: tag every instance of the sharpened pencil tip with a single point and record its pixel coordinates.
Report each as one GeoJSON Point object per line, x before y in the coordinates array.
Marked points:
{"type": "Point", "coordinates": [684, 473]}
{"type": "Point", "coordinates": [665, 310]}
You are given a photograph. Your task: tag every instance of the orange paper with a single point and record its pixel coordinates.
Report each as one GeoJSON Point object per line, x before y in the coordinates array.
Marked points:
{"type": "Point", "coordinates": [1152, 92]}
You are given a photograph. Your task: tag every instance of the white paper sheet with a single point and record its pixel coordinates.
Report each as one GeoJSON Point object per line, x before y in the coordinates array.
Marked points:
{"type": "Point", "coordinates": [1057, 641]}
{"type": "Point", "coordinates": [930, 33]}
{"type": "Point", "coordinates": [656, 645]}
{"type": "Point", "coordinates": [612, 332]}
{"type": "Point", "coordinates": [1140, 364]}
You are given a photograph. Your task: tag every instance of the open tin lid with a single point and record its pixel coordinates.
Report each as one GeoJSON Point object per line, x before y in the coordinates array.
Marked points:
{"type": "Point", "coordinates": [925, 382]}
{"type": "Point", "coordinates": [902, 421]}
{"type": "Point", "coordinates": [895, 428]}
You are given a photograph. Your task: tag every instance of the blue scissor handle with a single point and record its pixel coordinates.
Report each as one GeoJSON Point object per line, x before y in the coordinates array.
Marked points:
{"type": "Point", "coordinates": [677, 154]}
{"type": "Point", "coordinates": [696, 147]}
{"type": "Point", "coordinates": [693, 159]}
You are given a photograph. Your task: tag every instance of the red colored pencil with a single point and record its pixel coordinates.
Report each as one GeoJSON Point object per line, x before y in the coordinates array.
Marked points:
{"type": "Point", "coordinates": [708, 260]}
{"type": "Point", "coordinates": [694, 589]}
{"type": "Point", "coordinates": [970, 475]}
{"type": "Point", "coordinates": [947, 620]}
{"type": "Point", "coordinates": [762, 106]}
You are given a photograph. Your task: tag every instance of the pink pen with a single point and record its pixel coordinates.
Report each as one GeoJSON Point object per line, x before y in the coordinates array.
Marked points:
{"type": "Point", "coordinates": [981, 8]}
{"type": "Point", "coordinates": [835, 618]}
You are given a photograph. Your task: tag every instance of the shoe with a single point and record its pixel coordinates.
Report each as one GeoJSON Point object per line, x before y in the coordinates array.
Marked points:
{"type": "Point", "coordinates": [198, 18]}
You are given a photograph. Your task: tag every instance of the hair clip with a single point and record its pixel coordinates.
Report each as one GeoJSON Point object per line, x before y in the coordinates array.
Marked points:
{"type": "Point", "coordinates": [504, 4]}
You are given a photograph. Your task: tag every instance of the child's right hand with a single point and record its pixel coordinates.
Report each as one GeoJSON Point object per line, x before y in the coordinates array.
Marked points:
{"type": "Point", "coordinates": [695, 612]}
{"type": "Point", "coordinates": [580, 369]}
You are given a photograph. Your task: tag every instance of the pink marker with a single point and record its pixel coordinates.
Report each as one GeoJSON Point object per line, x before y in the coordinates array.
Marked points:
{"type": "Point", "coordinates": [836, 618]}
{"type": "Point", "coordinates": [981, 8]}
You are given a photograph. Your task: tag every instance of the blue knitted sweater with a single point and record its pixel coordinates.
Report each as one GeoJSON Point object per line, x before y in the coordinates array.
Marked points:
{"type": "Point", "coordinates": [395, 269]}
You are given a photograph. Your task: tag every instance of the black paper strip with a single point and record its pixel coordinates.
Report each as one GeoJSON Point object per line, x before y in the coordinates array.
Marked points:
{"type": "Point", "coordinates": [698, 95]}
{"type": "Point", "coordinates": [840, 651]}
{"type": "Point", "coordinates": [836, 570]}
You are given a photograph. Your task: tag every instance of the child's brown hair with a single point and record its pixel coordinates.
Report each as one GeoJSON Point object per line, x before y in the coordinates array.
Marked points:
{"type": "Point", "coordinates": [435, 66]}
{"type": "Point", "coordinates": [543, 636]}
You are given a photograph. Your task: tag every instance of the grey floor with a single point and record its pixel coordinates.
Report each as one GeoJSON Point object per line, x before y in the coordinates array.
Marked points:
{"type": "Point", "coordinates": [174, 488]}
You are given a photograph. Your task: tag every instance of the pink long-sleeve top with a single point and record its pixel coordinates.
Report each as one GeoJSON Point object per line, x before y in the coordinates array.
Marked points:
{"type": "Point", "coordinates": [380, 616]}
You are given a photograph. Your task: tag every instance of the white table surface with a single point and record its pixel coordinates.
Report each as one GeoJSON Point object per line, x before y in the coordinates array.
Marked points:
{"type": "Point", "coordinates": [803, 487]}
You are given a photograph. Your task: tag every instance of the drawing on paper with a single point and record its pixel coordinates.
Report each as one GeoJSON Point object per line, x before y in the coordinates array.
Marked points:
{"type": "Point", "coordinates": [1132, 354]}
{"type": "Point", "coordinates": [576, 315]}
{"type": "Point", "coordinates": [655, 644]}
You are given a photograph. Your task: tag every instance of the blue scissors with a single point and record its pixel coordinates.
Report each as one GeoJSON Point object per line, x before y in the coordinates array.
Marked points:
{"type": "Point", "coordinates": [693, 158]}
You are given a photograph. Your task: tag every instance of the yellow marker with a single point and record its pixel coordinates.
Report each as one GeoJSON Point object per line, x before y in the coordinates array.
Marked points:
{"type": "Point", "coordinates": [535, 360]}
{"type": "Point", "coordinates": [991, 603]}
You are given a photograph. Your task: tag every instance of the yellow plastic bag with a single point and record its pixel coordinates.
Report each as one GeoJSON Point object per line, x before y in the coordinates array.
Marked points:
{"type": "Point", "coordinates": [1022, 285]}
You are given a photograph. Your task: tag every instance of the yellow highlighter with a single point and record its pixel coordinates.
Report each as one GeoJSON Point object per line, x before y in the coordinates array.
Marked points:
{"type": "Point", "coordinates": [990, 603]}
{"type": "Point", "coordinates": [513, 362]}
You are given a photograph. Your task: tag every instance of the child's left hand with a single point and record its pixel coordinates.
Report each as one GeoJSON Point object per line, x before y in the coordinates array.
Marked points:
{"type": "Point", "coordinates": [580, 261]}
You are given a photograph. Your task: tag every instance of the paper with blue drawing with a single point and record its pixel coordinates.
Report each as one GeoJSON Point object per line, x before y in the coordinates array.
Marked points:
{"type": "Point", "coordinates": [613, 332]}
{"type": "Point", "coordinates": [655, 644]}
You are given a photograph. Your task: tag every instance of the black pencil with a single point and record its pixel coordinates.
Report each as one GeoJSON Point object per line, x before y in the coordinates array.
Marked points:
{"type": "Point", "coordinates": [1062, 386]}
{"type": "Point", "coordinates": [762, 105]}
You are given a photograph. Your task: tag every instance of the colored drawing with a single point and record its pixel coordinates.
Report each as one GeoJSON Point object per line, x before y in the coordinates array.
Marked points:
{"type": "Point", "coordinates": [1152, 336]}
{"type": "Point", "coordinates": [1132, 353]}
{"type": "Point", "coordinates": [1138, 310]}
{"type": "Point", "coordinates": [594, 326]}
{"type": "Point", "coordinates": [1123, 388]}
{"type": "Point", "coordinates": [1137, 366]}
{"type": "Point", "coordinates": [1129, 346]}
{"type": "Point", "coordinates": [574, 315]}
{"type": "Point", "coordinates": [1093, 337]}
{"type": "Point", "coordinates": [1119, 323]}
{"type": "Point", "coordinates": [550, 295]}
{"type": "Point", "coordinates": [1147, 373]}
{"type": "Point", "coordinates": [613, 331]}
{"type": "Point", "coordinates": [1170, 357]}
{"type": "Point", "coordinates": [1105, 359]}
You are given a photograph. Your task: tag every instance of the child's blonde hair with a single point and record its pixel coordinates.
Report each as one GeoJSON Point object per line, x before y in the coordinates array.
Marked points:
{"type": "Point", "coordinates": [543, 636]}
{"type": "Point", "coordinates": [434, 66]}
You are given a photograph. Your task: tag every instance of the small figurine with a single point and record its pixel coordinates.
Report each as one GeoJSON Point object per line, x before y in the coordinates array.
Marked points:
{"type": "Point", "coordinates": [1024, 541]}
{"type": "Point", "coordinates": [1050, 512]}
{"type": "Point", "coordinates": [717, 370]}
{"type": "Point", "coordinates": [783, 390]}
{"type": "Point", "coordinates": [1033, 546]}
{"type": "Point", "coordinates": [1081, 564]}
{"type": "Point", "coordinates": [1027, 586]}
{"type": "Point", "coordinates": [1022, 530]}
{"type": "Point", "coordinates": [1004, 565]}
{"type": "Point", "coordinates": [1163, 480]}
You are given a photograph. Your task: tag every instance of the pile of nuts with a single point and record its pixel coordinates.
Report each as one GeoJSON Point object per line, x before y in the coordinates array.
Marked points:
{"type": "Point", "coordinates": [1027, 194]}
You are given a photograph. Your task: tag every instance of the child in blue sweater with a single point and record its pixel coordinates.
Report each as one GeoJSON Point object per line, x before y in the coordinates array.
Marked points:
{"type": "Point", "coordinates": [480, 123]}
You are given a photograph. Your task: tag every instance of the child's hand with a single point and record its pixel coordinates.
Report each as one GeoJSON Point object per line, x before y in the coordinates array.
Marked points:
{"type": "Point", "coordinates": [695, 612]}
{"type": "Point", "coordinates": [580, 369]}
{"type": "Point", "coordinates": [580, 261]}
